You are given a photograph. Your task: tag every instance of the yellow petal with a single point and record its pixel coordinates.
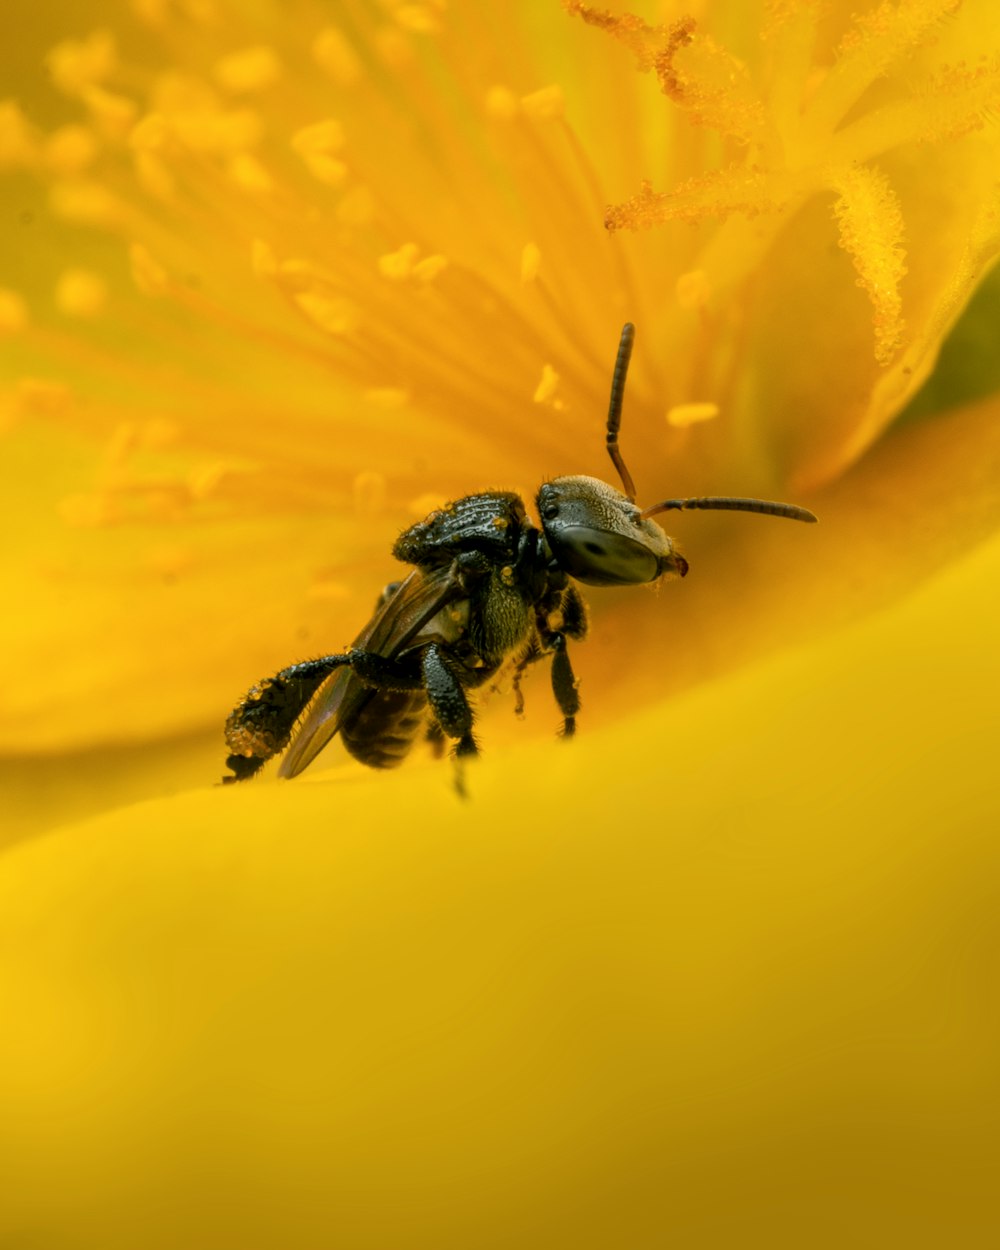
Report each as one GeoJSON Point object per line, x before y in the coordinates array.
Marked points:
{"type": "Point", "coordinates": [709, 953]}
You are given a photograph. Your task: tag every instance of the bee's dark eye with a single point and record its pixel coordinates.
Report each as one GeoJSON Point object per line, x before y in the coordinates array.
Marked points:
{"type": "Point", "coordinates": [550, 511]}
{"type": "Point", "coordinates": [595, 549]}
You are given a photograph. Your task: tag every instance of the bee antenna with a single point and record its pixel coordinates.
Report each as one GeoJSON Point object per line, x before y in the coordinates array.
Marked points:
{"type": "Point", "coordinates": [615, 406]}
{"type": "Point", "coordinates": [726, 503]}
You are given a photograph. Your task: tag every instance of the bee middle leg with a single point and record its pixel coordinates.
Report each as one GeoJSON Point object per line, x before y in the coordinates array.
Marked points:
{"type": "Point", "coordinates": [384, 673]}
{"type": "Point", "coordinates": [447, 698]}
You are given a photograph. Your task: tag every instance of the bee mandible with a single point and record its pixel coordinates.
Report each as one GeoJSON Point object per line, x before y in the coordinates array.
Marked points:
{"type": "Point", "coordinates": [489, 591]}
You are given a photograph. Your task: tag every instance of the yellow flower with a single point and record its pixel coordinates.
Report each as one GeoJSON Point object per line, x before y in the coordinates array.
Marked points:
{"type": "Point", "coordinates": [276, 279]}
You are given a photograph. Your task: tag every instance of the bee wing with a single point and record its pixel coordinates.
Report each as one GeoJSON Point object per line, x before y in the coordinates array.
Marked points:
{"type": "Point", "coordinates": [341, 696]}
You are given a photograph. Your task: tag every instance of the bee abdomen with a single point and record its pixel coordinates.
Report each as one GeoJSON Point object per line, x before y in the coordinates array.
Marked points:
{"type": "Point", "coordinates": [385, 729]}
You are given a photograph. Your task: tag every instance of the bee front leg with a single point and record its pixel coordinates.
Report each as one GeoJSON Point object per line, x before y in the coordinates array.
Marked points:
{"type": "Point", "coordinates": [569, 621]}
{"type": "Point", "coordinates": [574, 611]}
{"type": "Point", "coordinates": [564, 683]}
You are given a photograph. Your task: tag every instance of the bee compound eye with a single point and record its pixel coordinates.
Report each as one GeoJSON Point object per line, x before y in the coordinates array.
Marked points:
{"type": "Point", "coordinates": [550, 511]}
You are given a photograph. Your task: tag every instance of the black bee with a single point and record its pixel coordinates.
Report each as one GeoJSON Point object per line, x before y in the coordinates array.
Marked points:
{"type": "Point", "coordinates": [489, 591]}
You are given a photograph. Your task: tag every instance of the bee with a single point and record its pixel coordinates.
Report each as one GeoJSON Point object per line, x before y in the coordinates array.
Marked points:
{"type": "Point", "coordinates": [489, 591]}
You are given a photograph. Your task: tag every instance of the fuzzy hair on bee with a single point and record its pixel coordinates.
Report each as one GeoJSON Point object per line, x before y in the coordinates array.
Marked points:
{"type": "Point", "coordinates": [488, 591]}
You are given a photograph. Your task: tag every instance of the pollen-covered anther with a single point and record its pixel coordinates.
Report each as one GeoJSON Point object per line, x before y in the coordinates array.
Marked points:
{"type": "Point", "coordinates": [531, 262]}
{"type": "Point", "coordinates": [153, 175]}
{"type": "Point", "coordinates": [393, 46]}
{"type": "Point", "coordinates": [683, 415]}
{"type": "Point", "coordinates": [148, 274]}
{"type": "Point", "coordinates": [336, 57]}
{"type": "Point", "coordinates": [871, 231]}
{"type": "Point", "coordinates": [18, 139]}
{"type": "Point", "coordinates": [204, 480]}
{"type": "Point", "coordinates": [544, 104]}
{"type": "Point", "coordinates": [545, 391]}
{"type": "Point", "coordinates": [113, 114]}
{"type": "Point", "coordinates": [216, 131]}
{"type": "Point", "coordinates": [643, 40]}
{"type": "Point", "coordinates": [710, 84]}
{"type": "Point", "coordinates": [742, 189]}
{"type": "Point", "coordinates": [79, 63]}
{"type": "Point", "coordinates": [887, 30]}
{"type": "Point", "coordinates": [421, 19]}
{"type": "Point", "coordinates": [89, 510]}
{"type": "Point", "coordinates": [81, 293]}
{"type": "Point", "coordinates": [430, 267]}
{"type": "Point", "coordinates": [150, 133]}
{"type": "Point", "coordinates": [43, 397]}
{"type": "Point", "coordinates": [318, 146]}
{"type": "Point", "coordinates": [13, 311]}
{"type": "Point", "coordinates": [86, 202]}
{"type": "Point", "coordinates": [117, 453]}
{"type": "Point", "coordinates": [957, 101]}
{"type": "Point", "coordinates": [170, 560]}
{"type": "Point", "coordinates": [157, 433]}
{"type": "Point", "coordinates": [249, 174]}
{"type": "Point", "coordinates": [327, 169]}
{"type": "Point", "coordinates": [153, 12]}
{"type": "Point", "coordinates": [69, 150]}
{"type": "Point", "coordinates": [398, 265]}
{"type": "Point", "coordinates": [693, 289]}
{"type": "Point", "coordinates": [502, 103]}
{"type": "Point", "coordinates": [334, 314]}
{"type": "Point", "coordinates": [166, 503]}
{"type": "Point", "coordinates": [248, 70]}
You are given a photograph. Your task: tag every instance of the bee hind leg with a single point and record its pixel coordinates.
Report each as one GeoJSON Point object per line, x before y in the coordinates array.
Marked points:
{"type": "Point", "coordinates": [261, 723]}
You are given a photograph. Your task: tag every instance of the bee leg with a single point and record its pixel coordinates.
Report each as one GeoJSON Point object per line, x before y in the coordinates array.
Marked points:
{"type": "Point", "coordinates": [564, 683]}
{"type": "Point", "coordinates": [574, 611]}
{"type": "Point", "coordinates": [571, 614]}
{"type": "Point", "coordinates": [532, 655]}
{"type": "Point", "coordinates": [450, 706]}
{"type": "Point", "coordinates": [261, 724]}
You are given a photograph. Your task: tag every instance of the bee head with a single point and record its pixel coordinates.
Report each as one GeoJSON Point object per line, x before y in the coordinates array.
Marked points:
{"type": "Point", "coordinates": [600, 537]}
